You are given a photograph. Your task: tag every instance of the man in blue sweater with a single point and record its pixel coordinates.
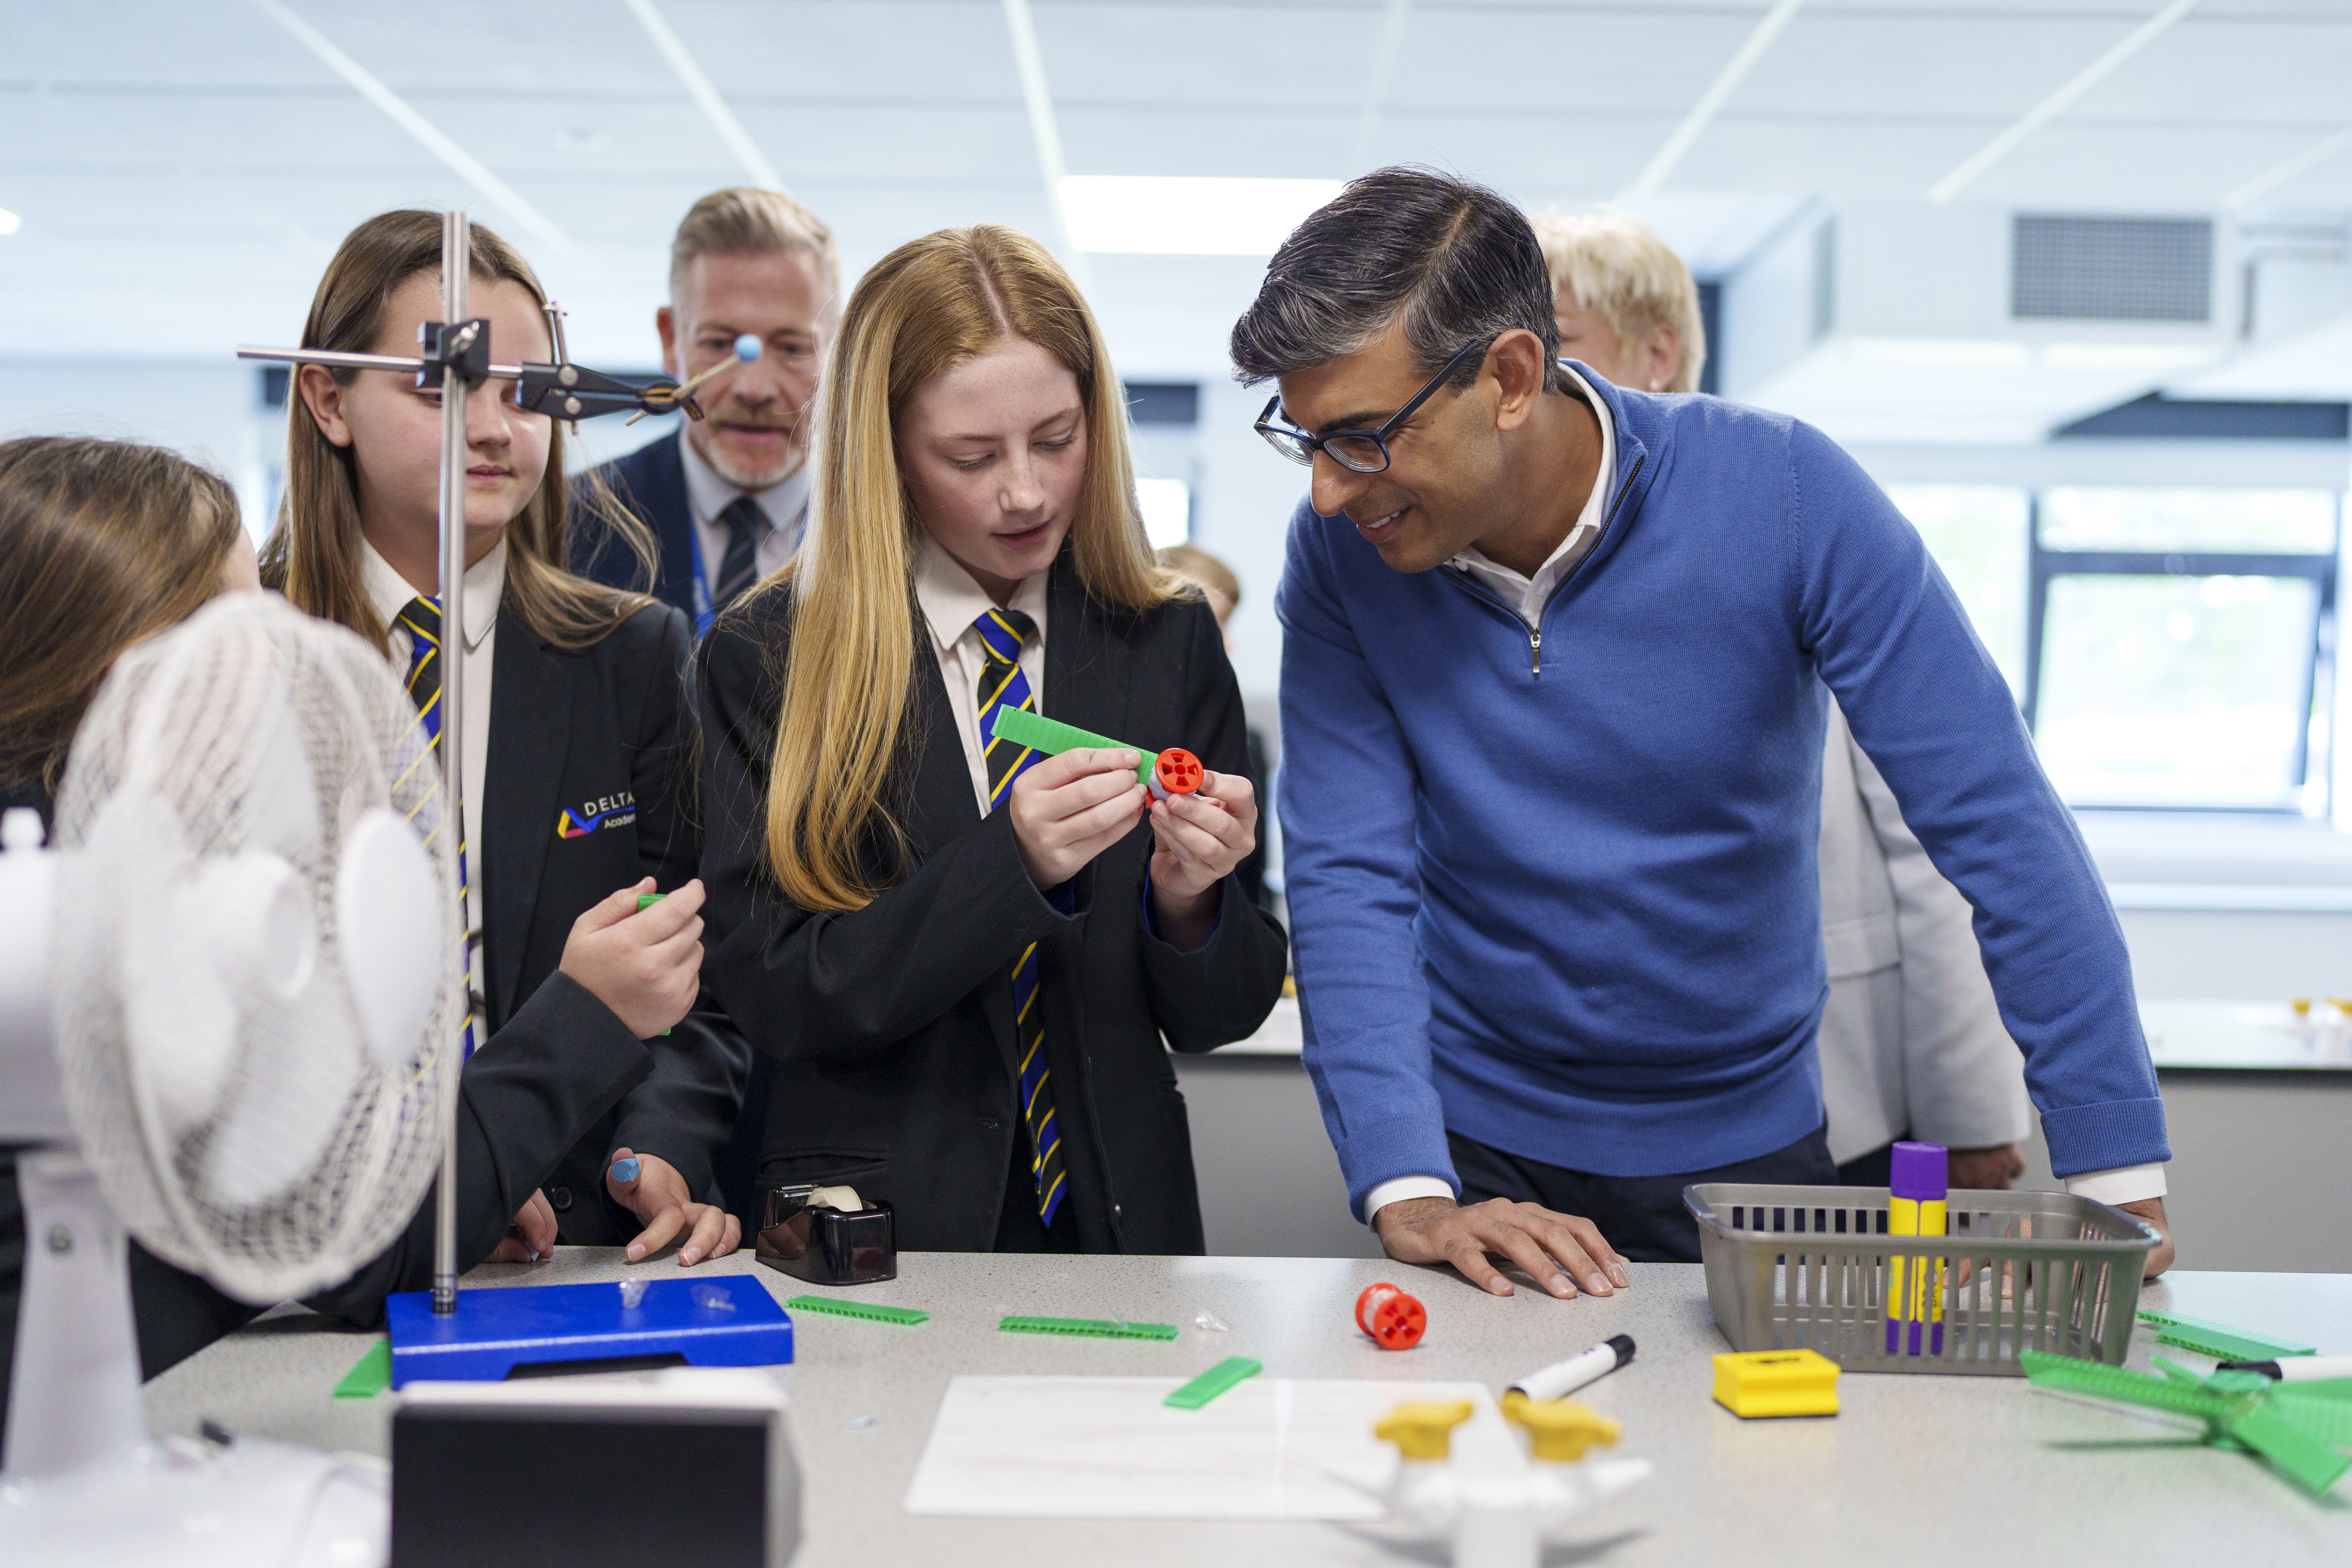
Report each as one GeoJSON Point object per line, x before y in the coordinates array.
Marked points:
{"type": "Point", "coordinates": [1552, 701]}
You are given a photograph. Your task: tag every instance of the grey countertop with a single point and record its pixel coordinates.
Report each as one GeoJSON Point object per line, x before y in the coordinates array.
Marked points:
{"type": "Point", "coordinates": [2182, 1036]}
{"type": "Point", "coordinates": [1914, 1468]}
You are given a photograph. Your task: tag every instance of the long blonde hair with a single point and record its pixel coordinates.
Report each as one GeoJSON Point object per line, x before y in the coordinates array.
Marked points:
{"type": "Point", "coordinates": [927, 306]}
{"type": "Point", "coordinates": [313, 557]}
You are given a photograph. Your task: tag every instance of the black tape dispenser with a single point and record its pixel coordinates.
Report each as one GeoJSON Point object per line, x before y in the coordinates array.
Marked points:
{"type": "Point", "coordinates": [827, 1235]}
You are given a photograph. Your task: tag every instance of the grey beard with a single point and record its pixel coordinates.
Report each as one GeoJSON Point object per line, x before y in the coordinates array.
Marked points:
{"type": "Point", "coordinates": [743, 479]}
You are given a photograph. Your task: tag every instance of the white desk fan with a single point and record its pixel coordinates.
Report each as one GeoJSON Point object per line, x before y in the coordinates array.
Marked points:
{"type": "Point", "coordinates": [224, 1006]}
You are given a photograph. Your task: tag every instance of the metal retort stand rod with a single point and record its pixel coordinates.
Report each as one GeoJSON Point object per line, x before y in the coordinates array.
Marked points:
{"type": "Point", "coordinates": [455, 352]}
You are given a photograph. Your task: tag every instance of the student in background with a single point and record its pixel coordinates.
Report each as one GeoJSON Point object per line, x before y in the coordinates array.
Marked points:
{"type": "Point", "coordinates": [726, 497]}
{"type": "Point", "coordinates": [961, 956]}
{"type": "Point", "coordinates": [103, 543]}
{"type": "Point", "coordinates": [1911, 1042]}
{"type": "Point", "coordinates": [1224, 590]}
{"type": "Point", "coordinates": [575, 752]}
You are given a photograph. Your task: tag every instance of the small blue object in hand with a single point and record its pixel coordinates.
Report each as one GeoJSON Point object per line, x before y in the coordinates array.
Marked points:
{"type": "Point", "coordinates": [625, 1170]}
{"type": "Point", "coordinates": [747, 347]}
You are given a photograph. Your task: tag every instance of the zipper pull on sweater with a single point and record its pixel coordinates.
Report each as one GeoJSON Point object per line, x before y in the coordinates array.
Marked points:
{"type": "Point", "coordinates": [1535, 650]}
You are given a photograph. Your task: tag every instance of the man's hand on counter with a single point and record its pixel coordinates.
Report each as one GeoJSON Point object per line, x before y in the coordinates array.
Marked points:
{"type": "Point", "coordinates": [2159, 1256]}
{"type": "Point", "coordinates": [1542, 1242]}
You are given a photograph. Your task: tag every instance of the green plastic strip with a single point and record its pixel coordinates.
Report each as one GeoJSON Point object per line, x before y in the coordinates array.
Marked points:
{"type": "Point", "coordinates": [874, 1311]}
{"type": "Point", "coordinates": [1092, 1328]}
{"type": "Point", "coordinates": [1213, 1382]}
{"type": "Point", "coordinates": [2103, 1381]}
{"type": "Point", "coordinates": [1052, 737]}
{"type": "Point", "coordinates": [2322, 1409]}
{"type": "Point", "coordinates": [2301, 1456]}
{"type": "Point", "coordinates": [369, 1376]}
{"type": "Point", "coordinates": [2220, 1341]}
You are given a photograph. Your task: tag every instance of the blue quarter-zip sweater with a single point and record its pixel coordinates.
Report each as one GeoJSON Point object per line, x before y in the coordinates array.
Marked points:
{"type": "Point", "coordinates": [1560, 894]}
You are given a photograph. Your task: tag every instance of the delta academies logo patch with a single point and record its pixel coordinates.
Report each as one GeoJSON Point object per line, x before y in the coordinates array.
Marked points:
{"type": "Point", "coordinates": [606, 811]}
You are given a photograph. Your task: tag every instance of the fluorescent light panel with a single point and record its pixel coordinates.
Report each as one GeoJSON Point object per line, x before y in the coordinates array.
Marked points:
{"type": "Point", "coordinates": [9, 222]}
{"type": "Point", "coordinates": [2050, 108]}
{"type": "Point", "coordinates": [1711, 102]}
{"type": "Point", "coordinates": [2294, 168]}
{"type": "Point", "coordinates": [706, 96]}
{"type": "Point", "coordinates": [1185, 215]}
{"type": "Point", "coordinates": [472, 170]}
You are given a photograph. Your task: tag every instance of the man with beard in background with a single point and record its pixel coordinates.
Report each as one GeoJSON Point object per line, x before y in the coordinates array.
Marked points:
{"type": "Point", "coordinates": [727, 499]}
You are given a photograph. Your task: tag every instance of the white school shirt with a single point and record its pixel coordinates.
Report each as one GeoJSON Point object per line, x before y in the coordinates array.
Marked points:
{"type": "Point", "coordinates": [484, 584]}
{"type": "Point", "coordinates": [1526, 594]}
{"type": "Point", "coordinates": [783, 504]}
{"type": "Point", "coordinates": [2128, 1184]}
{"type": "Point", "coordinates": [951, 603]}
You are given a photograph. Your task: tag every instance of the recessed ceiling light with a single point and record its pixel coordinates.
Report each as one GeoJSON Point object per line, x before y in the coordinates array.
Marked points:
{"type": "Point", "coordinates": [1183, 215]}
{"type": "Point", "coordinates": [9, 222]}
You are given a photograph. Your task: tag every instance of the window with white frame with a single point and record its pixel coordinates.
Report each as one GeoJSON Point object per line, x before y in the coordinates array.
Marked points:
{"type": "Point", "coordinates": [1978, 535]}
{"type": "Point", "coordinates": [2171, 648]}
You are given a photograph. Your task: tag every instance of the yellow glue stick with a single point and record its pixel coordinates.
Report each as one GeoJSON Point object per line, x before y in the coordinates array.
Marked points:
{"type": "Point", "coordinates": [1918, 1185]}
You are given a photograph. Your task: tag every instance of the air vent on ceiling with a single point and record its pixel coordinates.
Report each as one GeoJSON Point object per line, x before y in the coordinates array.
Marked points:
{"type": "Point", "coordinates": [2110, 268]}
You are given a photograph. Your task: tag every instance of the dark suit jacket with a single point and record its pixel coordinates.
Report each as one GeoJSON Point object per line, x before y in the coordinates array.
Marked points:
{"type": "Point", "coordinates": [650, 482]}
{"type": "Point", "coordinates": [587, 789]}
{"type": "Point", "coordinates": [891, 1026]}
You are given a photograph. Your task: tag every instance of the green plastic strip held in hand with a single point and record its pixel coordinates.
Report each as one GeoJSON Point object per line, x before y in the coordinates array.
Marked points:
{"type": "Point", "coordinates": [1052, 737]}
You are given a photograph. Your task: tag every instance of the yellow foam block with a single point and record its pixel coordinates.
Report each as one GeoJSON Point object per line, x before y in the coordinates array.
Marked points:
{"type": "Point", "coordinates": [1776, 1383]}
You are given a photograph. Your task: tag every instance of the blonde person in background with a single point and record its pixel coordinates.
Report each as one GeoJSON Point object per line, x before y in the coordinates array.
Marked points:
{"type": "Point", "coordinates": [1223, 589]}
{"type": "Point", "coordinates": [1911, 1043]}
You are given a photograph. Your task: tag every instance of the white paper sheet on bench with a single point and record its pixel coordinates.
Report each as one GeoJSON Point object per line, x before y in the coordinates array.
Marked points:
{"type": "Point", "coordinates": [1105, 1447]}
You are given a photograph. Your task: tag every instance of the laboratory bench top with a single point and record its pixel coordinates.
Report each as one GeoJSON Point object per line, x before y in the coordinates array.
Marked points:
{"type": "Point", "coordinates": [1916, 1469]}
{"type": "Point", "coordinates": [2182, 1036]}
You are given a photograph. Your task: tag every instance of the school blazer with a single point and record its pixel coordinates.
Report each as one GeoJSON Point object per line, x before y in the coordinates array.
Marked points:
{"type": "Point", "coordinates": [586, 791]}
{"type": "Point", "coordinates": [650, 482]}
{"type": "Point", "coordinates": [891, 1026]}
{"type": "Point", "coordinates": [1911, 1041]}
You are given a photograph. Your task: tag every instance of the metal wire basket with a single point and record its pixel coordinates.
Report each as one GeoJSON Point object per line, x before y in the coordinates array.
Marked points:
{"type": "Point", "coordinates": [1805, 1269]}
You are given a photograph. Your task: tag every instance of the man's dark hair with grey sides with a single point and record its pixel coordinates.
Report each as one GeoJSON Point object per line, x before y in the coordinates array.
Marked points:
{"type": "Point", "coordinates": [1454, 261]}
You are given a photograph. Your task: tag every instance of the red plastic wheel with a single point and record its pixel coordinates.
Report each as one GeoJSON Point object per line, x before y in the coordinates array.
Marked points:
{"type": "Point", "coordinates": [1179, 771]}
{"type": "Point", "coordinates": [1394, 1319]}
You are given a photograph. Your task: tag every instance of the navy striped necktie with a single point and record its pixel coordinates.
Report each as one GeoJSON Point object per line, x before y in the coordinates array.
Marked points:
{"type": "Point", "coordinates": [420, 618]}
{"type": "Point", "coordinates": [1002, 685]}
{"type": "Point", "coordinates": [739, 567]}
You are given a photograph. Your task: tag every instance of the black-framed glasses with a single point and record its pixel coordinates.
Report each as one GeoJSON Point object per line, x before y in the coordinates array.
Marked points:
{"type": "Point", "coordinates": [1364, 451]}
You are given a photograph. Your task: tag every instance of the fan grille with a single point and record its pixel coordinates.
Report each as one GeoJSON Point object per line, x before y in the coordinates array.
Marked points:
{"type": "Point", "coordinates": [258, 727]}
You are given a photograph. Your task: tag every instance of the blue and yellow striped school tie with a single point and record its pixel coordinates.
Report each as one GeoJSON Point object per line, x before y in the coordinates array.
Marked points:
{"type": "Point", "coordinates": [422, 620]}
{"type": "Point", "coordinates": [1002, 685]}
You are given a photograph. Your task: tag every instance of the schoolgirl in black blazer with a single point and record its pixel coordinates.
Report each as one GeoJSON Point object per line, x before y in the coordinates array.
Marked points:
{"type": "Point", "coordinates": [576, 749]}
{"type": "Point", "coordinates": [873, 925]}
